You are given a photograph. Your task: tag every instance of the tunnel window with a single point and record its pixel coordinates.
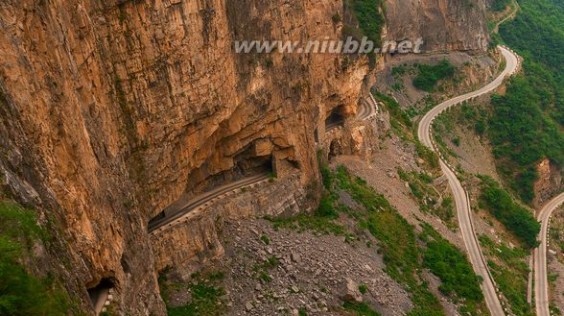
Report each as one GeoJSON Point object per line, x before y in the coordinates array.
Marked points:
{"type": "Point", "coordinates": [247, 164]}
{"type": "Point", "coordinates": [248, 167]}
{"type": "Point", "coordinates": [334, 119]}
{"type": "Point", "coordinates": [99, 294]}
{"type": "Point", "coordinates": [156, 220]}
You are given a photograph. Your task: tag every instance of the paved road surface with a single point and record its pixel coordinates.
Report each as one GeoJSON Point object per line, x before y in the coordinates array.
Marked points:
{"type": "Point", "coordinates": [99, 299]}
{"type": "Point", "coordinates": [368, 108]}
{"type": "Point", "coordinates": [541, 278]}
{"type": "Point", "coordinates": [460, 196]}
{"type": "Point", "coordinates": [202, 199]}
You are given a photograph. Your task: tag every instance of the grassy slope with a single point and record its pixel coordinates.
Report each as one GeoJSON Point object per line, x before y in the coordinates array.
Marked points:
{"type": "Point", "coordinates": [21, 293]}
{"type": "Point", "coordinates": [406, 252]}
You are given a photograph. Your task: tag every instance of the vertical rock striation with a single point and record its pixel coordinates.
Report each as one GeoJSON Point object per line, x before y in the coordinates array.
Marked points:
{"type": "Point", "coordinates": [445, 25]}
{"type": "Point", "coordinates": [113, 110]}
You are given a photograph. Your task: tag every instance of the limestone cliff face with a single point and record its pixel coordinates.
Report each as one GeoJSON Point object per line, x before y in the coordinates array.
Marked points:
{"type": "Point", "coordinates": [113, 110]}
{"type": "Point", "coordinates": [445, 25]}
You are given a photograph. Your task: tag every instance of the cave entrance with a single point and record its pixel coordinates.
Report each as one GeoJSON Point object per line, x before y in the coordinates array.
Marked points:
{"type": "Point", "coordinates": [335, 150]}
{"type": "Point", "coordinates": [316, 135]}
{"type": "Point", "coordinates": [99, 294]}
{"type": "Point", "coordinates": [247, 163]}
{"type": "Point", "coordinates": [335, 118]}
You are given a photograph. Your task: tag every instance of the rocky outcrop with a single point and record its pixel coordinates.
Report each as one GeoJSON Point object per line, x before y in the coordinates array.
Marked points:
{"type": "Point", "coordinates": [113, 110]}
{"type": "Point", "coordinates": [444, 25]}
{"type": "Point", "coordinates": [549, 183]}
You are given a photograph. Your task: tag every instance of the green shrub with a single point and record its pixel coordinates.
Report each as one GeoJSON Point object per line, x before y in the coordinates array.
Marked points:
{"type": "Point", "coordinates": [429, 75]}
{"type": "Point", "coordinates": [360, 309]}
{"type": "Point", "coordinates": [499, 5]}
{"type": "Point", "coordinates": [513, 216]}
{"type": "Point", "coordinates": [514, 289]}
{"type": "Point", "coordinates": [396, 240]}
{"type": "Point", "coordinates": [205, 302]}
{"type": "Point", "coordinates": [369, 18]}
{"type": "Point", "coordinates": [360, 191]}
{"type": "Point", "coordinates": [20, 292]}
{"type": "Point", "coordinates": [265, 239]}
{"type": "Point", "coordinates": [452, 267]}
{"type": "Point", "coordinates": [429, 156]}
{"type": "Point", "coordinates": [394, 108]}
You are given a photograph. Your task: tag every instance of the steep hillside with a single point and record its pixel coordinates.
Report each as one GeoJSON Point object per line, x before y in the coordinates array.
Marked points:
{"type": "Point", "coordinates": [444, 25]}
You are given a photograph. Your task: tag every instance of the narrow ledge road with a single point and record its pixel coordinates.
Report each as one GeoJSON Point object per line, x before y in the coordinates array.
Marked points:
{"type": "Point", "coordinates": [540, 263]}
{"type": "Point", "coordinates": [462, 201]}
{"type": "Point", "coordinates": [170, 217]}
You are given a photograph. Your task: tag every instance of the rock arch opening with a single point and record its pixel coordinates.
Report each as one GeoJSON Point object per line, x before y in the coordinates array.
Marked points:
{"type": "Point", "coordinates": [250, 165]}
{"type": "Point", "coordinates": [335, 118]}
{"type": "Point", "coordinates": [100, 293]}
{"type": "Point", "coordinates": [247, 162]}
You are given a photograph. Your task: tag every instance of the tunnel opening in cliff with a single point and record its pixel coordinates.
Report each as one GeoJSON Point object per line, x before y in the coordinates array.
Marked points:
{"type": "Point", "coordinates": [335, 118]}
{"type": "Point", "coordinates": [99, 293]}
{"type": "Point", "coordinates": [246, 164]}
{"type": "Point", "coordinates": [248, 168]}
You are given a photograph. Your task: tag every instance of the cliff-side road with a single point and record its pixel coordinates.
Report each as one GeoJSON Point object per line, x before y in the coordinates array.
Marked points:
{"type": "Point", "coordinates": [172, 215]}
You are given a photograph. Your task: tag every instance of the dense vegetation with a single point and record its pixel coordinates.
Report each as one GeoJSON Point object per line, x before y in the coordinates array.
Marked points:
{"type": "Point", "coordinates": [527, 122]}
{"type": "Point", "coordinates": [451, 266]}
{"type": "Point", "coordinates": [516, 218]}
{"type": "Point", "coordinates": [369, 18]}
{"type": "Point", "coordinates": [429, 75]}
{"type": "Point", "coordinates": [20, 292]}
{"type": "Point", "coordinates": [522, 135]}
{"type": "Point", "coordinates": [499, 5]}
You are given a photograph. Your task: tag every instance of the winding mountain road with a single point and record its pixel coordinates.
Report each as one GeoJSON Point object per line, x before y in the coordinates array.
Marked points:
{"type": "Point", "coordinates": [510, 16]}
{"type": "Point", "coordinates": [540, 266]}
{"type": "Point", "coordinates": [368, 108]}
{"type": "Point", "coordinates": [461, 198]}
